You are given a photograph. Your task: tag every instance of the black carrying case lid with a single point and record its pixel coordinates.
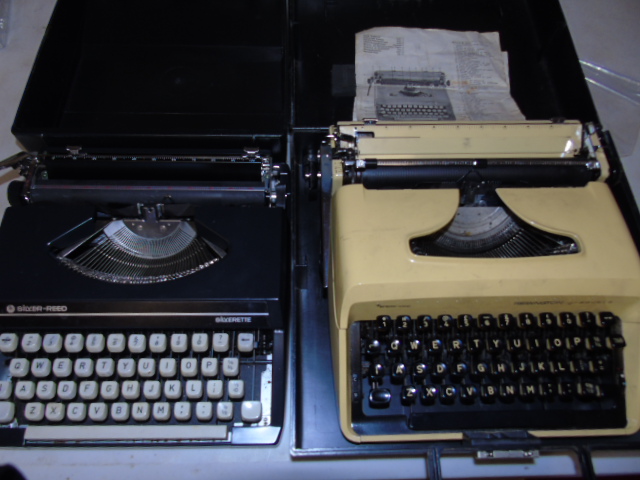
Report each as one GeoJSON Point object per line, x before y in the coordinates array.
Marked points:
{"type": "Point", "coordinates": [161, 75]}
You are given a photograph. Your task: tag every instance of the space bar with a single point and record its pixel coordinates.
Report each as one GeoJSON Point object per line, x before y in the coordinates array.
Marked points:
{"type": "Point", "coordinates": [126, 432]}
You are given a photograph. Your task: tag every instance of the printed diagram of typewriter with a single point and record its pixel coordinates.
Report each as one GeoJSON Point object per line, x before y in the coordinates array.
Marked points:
{"type": "Point", "coordinates": [147, 304]}
{"type": "Point", "coordinates": [480, 277]}
{"type": "Point", "coordinates": [411, 95]}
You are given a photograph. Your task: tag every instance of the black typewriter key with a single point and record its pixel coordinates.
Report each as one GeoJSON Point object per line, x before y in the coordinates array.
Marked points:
{"type": "Point", "coordinates": [560, 367]}
{"type": "Point", "coordinates": [547, 320]}
{"type": "Point", "coordinates": [445, 323]}
{"type": "Point", "coordinates": [419, 371]}
{"type": "Point", "coordinates": [376, 372]}
{"type": "Point", "coordinates": [395, 347]}
{"type": "Point", "coordinates": [424, 323]}
{"type": "Point", "coordinates": [586, 319]}
{"type": "Point", "coordinates": [479, 371]}
{"type": "Point", "coordinates": [435, 346]}
{"type": "Point", "coordinates": [568, 320]}
{"type": "Point", "coordinates": [464, 323]}
{"type": "Point", "coordinates": [594, 344]}
{"type": "Point", "coordinates": [606, 319]}
{"type": "Point", "coordinates": [429, 394]}
{"type": "Point", "coordinates": [565, 390]}
{"type": "Point", "coordinates": [507, 392]}
{"type": "Point", "coordinates": [486, 321]}
{"type": "Point", "coordinates": [579, 366]}
{"type": "Point", "coordinates": [554, 344]}
{"type": "Point", "coordinates": [456, 347]}
{"type": "Point", "coordinates": [459, 370]}
{"type": "Point", "coordinates": [499, 370]}
{"type": "Point", "coordinates": [587, 391]}
{"type": "Point", "coordinates": [527, 391]}
{"type": "Point", "coordinates": [514, 345]}
{"type": "Point", "coordinates": [574, 343]}
{"type": "Point", "coordinates": [526, 321]}
{"type": "Point", "coordinates": [539, 367]}
{"type": "Point", "coordinates": [379, 398]}
{"type": "Point", "coordinates": [468, 394]}
{"type": "Point", "coordinates": [403, 325]}
{"type": "Point", "coordinates": [534, 344]}
{"type": "Point", "coordinates": [408, 395]}
{"type": "Point", "coordinates": [414, 347]}
{"type": "Point", "coordinates": [398, 372]}
{"type": "Point", "coordinates": [475, 345]}
{"type": "Point", "coordinates": [488, 393]}
{"type": "Point", "coordinates": [440, 370]}
{"type": "Point", "coordinates": [494, 345]}
{"type": "Point", "coordinates": [546, 390]}
{"type": "Point", "coordinates": [448, 394]}
{"type": "Point", "coordinates": [519, 368]}
{"type": "Point", "coordinates": [615, 341]}
{"type": "Point", "coordinates": [383, 324]}
{"type": "Point", "coordinates": [506, 321]}
{"type": "Point", "coordinates": [600, 365]}
{"type": "Point", "coordinates": [374, 347]}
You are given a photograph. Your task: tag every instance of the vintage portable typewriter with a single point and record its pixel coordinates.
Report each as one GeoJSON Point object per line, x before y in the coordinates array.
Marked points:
{"type": "Point", "coordinates": [144, 287]}
{"type": "Point", "coordinates": [481, 277]}
{"type": "Point", "coordinates": [411, 96]}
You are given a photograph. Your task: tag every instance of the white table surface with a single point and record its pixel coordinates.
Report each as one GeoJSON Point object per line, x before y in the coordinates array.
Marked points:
{"type": "Point", "coordinates": [605, 33]}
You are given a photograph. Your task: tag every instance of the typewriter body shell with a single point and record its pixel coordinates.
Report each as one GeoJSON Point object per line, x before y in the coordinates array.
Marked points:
{"type": "Point", "coordinates": [145, 109]}
{"type": "Point", "coordinates": [367, 267]}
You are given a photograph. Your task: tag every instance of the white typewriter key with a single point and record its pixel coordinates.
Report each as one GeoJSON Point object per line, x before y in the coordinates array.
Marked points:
{"type": "Point", "coordinates": [62, 367]}
{"type": "Point", "coordinates": [52, 343]}
{"type": "Point", "coordinates": [137, 343]}
{"type": "Point", "coordinates": [224, 411]}
{"type": "Point", "coordinates": [34, 411]}
{"type": "Point", "coordinates": [231, 367]}
{"type": "Point", "coordinates": [221, 342]}
{"type": "Point", "coordinates": [7, 412]}
{"type": "Point", "coordinates": [173, 389]}
{"type": "Point", "coordinates": [236, 389]}
{"type": "Point", "coordinates": [76, 412]}
{"type": "Point", "coordinates": [189, 367]}
{"type": "Point", "coordinates": [147, 367]}
{"type": "Point", "coordinates": [209, 367]}
{"type": "Point", "coordinates": [204, 411]}
{"type": "Point", "coordinates": [182, 411]}
{"type": "Point", "coordinates": [41, 367]}
{"type": "Point", "coordinates": [245, 342]}
{"type": "Point", "coordinates": [179, 342]}
{"type": "Point", "coordinates": [8, 342]}
{"type": "Point", "coordinates": [83, 367]}
{"type": "Point", "coordinates": [251, 411]}
{"type": "Point", "coordinates": [168, 367]}
{"type": "Point", "coordinates": [105, 367]}
{"type": "Point", "coordinates": [73, 342]}
{"type": "Point", "coordinates": [215, 389]}
{"type": "Point", "coordinates": [46, 390]}
{"type": "Point", "coordinates": [158, 342]}
{"type": "Point", "coordinates": [116, 343]}
{"type": "Point", "coordinates": [6, 388]}
{"type": "Point", "coordinates": [151, 390]}
{"type": "Point", "coordinates": [98, 412]}
{"type": "Point", "coordinates": [194, 389]}
{"type": "Point", "coordinates": [120, 411]}
{"type": "Point", "coordinates": [140, 411]}
{"type": "Point", "coordinates": [110, 390]}
{"type": "Point", "coordinates": [199, 342]}
{"type": "Point", "coordinates": [54, 412]}
{"type": "Point", "coordinates": [161, 411]}
{"type": "Point", "coordinates": [126, 367]}
{"type": "Point", "coordinates": [88, 390]}
{"type": "Point", "coordinates": [31, 342]}
{"type": "Point", "coordinates": [67, 390]}
{"type": "Point", "coordinates": [131, 389]}
{"type": "Point", "coordinates": [25, 390]}
{"type": "Point", "coordinates": [95, 343]}
{"type": "Point", "coordinates": [19, 367]}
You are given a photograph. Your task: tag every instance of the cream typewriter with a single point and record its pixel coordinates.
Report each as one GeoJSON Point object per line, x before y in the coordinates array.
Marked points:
{"type": "Point", "coordinates": [481, 277]}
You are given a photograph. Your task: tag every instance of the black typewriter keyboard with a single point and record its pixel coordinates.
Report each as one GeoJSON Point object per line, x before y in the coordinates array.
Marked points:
{"type": "Point", "coordinates": [144, 386]}
{"type": "Point", "coordinates": [525, 371]}
{"type": "Point", "coordinates": [414, 112]}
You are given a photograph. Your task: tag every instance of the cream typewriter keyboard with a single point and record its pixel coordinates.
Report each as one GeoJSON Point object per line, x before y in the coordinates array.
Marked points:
{"type": "Point", "coordinates": [154, 386]}
{"type": "Point", "coordinates": [548, 371]}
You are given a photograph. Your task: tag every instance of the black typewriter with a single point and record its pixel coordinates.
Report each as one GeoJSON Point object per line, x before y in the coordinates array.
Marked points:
{"type": "Point", "coordinates": [145, 256]}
